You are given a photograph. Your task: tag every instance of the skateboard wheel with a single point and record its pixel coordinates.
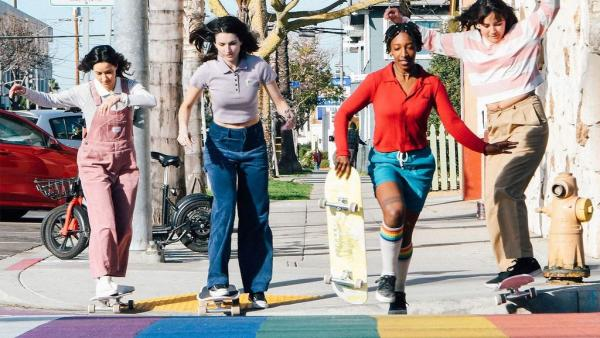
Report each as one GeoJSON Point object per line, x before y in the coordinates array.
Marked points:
{"type": "Point", "coordinates": [358, 283]}
{"type": "Point", "coordinates": [202, 310]}
{"type": "Point", "coordinates": [322, 203]}
{"type": "Point", "coordinates": [500, 299]}
{"type": "Point", "coordinates": [116, 308]}
{"type": "Point", "coordinates": [532, 293]}
{"type": "Point", "coordinates": [130, 304]}
{"type": "Point", "coordinates": [91, 308]}
{"type": "Point", "coordinates": [327, 279]}
{"type": "Point", "coordinates": [353, 207]}
{"type": "Point", "coordinates": [235, 309]}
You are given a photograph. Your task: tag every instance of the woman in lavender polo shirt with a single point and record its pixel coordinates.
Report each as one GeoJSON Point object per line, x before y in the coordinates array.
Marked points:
{"type": "Point", "coordinates": [235, 153]}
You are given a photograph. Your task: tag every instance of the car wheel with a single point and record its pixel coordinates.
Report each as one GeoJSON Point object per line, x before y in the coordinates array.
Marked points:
{"type": "Point", "coordinates": [12, 214]}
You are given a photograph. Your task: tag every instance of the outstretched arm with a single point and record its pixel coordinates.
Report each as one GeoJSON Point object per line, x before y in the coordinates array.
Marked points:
{"type": "Point", "coordinates": [64, 99]}
{"type": "Point", "coordinates": [538, 22]}
{"type": "Point", "coordinates": [457, 128]}
{"type": "Point", "coordinates": [449, 44]}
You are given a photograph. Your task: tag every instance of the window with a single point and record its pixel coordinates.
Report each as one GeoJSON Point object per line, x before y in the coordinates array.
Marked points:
{"type": "Point", "coordinates": [15, 132]}
{"type": "Point", "coordinates": [67, 128]}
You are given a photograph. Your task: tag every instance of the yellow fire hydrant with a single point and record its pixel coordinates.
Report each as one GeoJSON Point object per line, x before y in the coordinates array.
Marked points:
{"type": "Point", "coordinates": [565, 243]}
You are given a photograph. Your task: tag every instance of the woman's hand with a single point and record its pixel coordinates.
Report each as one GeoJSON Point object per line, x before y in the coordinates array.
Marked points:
{"type": "Point", "coordinates": [184, 137]}
{"type": "Point", "coordinates": [502, 147]}
{"type": "Point", "coordinates": [16, 89]}
{"type": "Point", "coordinates": [107, 105]}
{"type": "Point", "coordinates": [342, 166]}
{"type": "Point", "coordinates": [394, 15]}
{"type": "Point", "coordinates": [290, 119]}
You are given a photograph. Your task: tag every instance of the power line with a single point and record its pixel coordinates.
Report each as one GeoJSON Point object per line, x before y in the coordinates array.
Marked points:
{"type": "Point", "coordinates": [26, 37]}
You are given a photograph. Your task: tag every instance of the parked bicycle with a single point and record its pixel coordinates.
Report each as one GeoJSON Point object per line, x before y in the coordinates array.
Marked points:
{"type": "Point", "coordinates": [187, 221]}
{"type": "Point", "coordinates": [65, 230]}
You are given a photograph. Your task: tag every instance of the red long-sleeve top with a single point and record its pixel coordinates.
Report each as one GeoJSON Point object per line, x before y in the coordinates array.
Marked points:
{"type": "Point", "coordinates": [401, 119]}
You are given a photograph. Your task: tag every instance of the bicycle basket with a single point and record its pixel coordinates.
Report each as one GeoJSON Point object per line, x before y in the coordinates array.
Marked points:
{"type": "Point", "coordinates": [57, 188]}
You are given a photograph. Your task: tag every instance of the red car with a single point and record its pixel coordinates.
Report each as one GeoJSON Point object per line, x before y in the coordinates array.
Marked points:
{"type": "Point", "coordinates": [27, 152]}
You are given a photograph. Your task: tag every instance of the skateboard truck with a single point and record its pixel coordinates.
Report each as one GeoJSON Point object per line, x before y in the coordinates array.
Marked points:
{"type": "Point", "coordinates": [228, 304]}
{"type": "Point", "coordinates": [341, 204]}
{"type": "Point", "coordinates": [512, 284]}
{"type": "Point", "coordinates": [345, 279]}
{"type": "Point", "coordinates": [111, 303]}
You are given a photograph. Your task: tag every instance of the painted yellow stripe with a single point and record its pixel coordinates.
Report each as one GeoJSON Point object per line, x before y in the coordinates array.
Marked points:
{"type": "Point", "coordinates": [187, 303]}
{"type": "Point", "coordinates": [436, 326]}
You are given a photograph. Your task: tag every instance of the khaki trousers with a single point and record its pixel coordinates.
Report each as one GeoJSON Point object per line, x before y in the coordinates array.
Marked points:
{"type": "Point", "coordinates": [507, 177]}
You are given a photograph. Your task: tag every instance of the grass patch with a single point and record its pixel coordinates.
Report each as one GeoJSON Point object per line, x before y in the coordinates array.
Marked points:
{"type": "Point", "coordinates": [282, 190]}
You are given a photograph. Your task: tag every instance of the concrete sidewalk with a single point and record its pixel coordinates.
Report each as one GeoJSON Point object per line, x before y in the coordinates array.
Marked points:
{"type": "Point", "coordinates": [452, 259]}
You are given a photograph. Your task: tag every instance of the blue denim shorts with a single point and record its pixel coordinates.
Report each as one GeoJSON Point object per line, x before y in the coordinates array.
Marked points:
{"type": "Point", "coordinates": [412, 171]}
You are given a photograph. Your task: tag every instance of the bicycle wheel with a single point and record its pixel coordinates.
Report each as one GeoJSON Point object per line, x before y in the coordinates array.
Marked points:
{"type": "Point", "coordinates": [71, 245]}
{"type": "Point", "coordinates": [195, 217]}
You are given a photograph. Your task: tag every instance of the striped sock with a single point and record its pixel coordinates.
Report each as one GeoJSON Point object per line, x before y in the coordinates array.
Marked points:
{"type": "Point", "coordinates": [402, 267]}
{"type": "Point", "coordinates": [390, 240]}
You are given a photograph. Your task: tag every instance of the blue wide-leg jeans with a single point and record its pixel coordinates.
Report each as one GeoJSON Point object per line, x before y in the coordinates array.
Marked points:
{"type": "Point", "coordinates": [237, 167]}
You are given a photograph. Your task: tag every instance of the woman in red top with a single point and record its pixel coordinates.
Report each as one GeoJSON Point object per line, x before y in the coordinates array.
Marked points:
{"type": "Point", "coordinates": [401, 164]}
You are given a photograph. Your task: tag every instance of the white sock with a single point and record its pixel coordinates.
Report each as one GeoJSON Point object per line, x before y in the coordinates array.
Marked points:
{"type": "Point", "coordinates": [390, 240]}
{"type": "Point", "coordinates": [401, 274]}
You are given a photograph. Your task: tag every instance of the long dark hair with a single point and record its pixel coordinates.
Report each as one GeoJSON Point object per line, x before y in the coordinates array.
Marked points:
{"type": "Point", "coordinates": [203, 36]}
{"type": "Point", "coordinates": [104, 53]}
{"type": "Point", "coordinates": [409, 28]}
{"type": "Point", "coordinates": [478, 11]}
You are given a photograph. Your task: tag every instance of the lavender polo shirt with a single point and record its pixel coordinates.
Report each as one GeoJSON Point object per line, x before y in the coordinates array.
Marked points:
{"type": "Point", "coordinates": [233, 94]}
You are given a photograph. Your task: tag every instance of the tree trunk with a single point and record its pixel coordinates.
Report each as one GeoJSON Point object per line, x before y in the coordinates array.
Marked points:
{"type": "Point", "coordinates": [288, 163]}
{"type": "Point", "coordinates": [165, 45]}
{"type": "Point", "coordinates": [257, 11]}
{"type": "Point", "coordinates": [195, 179]}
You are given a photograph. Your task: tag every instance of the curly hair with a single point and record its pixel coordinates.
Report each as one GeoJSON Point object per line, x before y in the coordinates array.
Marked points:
{"type": "Point", "coordinates": [203, 36]}
{"type": "Point", "coordinates": [104, 53]}
{"type": "Point", "coordinates": [478, 11]}
{"type": "Point", "coordinates": [409, 28]}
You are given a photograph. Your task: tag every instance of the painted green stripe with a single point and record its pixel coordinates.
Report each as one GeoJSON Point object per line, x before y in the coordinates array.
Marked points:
{"type": "Point", "coordinates": [319, 326]}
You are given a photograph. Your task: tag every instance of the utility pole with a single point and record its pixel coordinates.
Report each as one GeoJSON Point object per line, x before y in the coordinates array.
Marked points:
{"type": "Point", "coordinates": [76, 22]}
{"type": "Point", "coordinates": [86, 35]}
{"type": "Point", "coordinates": [131, 39]}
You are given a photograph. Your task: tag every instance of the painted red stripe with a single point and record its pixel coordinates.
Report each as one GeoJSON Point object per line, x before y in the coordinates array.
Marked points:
{"type": "Point", "coordinates": [24, 264]}
{"type": "Point", "coordinates": [549, 325]}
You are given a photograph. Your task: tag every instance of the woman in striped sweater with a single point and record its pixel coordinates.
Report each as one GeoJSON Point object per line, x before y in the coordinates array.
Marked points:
{"type": "Point", "coordinates": [500, 61]}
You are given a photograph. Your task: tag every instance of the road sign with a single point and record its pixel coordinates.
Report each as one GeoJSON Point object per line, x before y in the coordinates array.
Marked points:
{"type": "Point", "coordinates": [336, 81]}
{"type": "Point", "coordinates": [82, 3]}
{"type": "Point", "coordinates": [295, 84]}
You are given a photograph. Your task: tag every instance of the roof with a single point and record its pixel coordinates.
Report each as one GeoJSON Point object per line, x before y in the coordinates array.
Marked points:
{"type": "Point", "coordinates": [8, 9]}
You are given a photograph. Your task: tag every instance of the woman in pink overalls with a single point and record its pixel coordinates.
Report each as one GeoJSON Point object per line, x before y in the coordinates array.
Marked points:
{"type": "Point", "coordinates": [106, 158]}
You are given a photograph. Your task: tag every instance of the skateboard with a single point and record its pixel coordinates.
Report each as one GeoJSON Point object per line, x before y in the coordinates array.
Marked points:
{"type": "Point", "coordinates": [111, 303]}
{"type": "Point", "coordinates": [229, 303]}
{"type": "Point", "coordinates": [346, 232]}
{"type": "Point", "coordinates": [512, 284]}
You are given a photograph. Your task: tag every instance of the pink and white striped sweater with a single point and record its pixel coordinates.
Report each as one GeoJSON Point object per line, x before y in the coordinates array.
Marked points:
{"type": "Point", "coordinates": [503, 70]}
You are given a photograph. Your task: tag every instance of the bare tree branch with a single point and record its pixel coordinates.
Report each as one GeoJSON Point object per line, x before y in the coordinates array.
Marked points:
{"type": "Point", "coordinates": [294, 15]}
{"type": "Point", "coordinates": [217, 8]}
{"type": "Point", "coordinates": [322, 17]}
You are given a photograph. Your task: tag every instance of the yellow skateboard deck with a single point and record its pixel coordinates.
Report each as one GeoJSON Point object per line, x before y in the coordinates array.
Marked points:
{"type": "Point", "coordinates": [346, 230]}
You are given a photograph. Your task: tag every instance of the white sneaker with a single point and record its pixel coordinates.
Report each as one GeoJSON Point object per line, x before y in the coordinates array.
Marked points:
{"type": "Point", "coordinates": [122, 289]}
{"type": "Point", "coordinates": [105, 287]}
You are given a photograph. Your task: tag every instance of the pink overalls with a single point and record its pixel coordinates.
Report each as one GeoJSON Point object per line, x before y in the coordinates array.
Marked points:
{"type": "Point", "coordinates": [109, 177]}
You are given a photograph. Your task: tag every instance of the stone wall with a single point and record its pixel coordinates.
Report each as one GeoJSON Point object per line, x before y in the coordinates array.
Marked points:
{"type": "Point", "coordinates": [571, 95]}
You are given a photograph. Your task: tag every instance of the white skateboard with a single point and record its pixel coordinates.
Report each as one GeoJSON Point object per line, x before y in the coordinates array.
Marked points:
{"type": "Point", "coordinates": [228, 304]}
{"type": "Point", "coordinates": [110, 303]}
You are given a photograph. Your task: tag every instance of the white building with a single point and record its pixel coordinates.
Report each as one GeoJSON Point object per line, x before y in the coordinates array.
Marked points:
{"type": "Point", "coordinates": [40, 76]}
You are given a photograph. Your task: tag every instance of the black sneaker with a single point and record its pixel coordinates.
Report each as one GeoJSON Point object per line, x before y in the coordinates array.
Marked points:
{"type": "Point", "coordinates": [385, 289]}
{"type": "Point", "coordinates": [258, 300]}
{"type": "Point", "coordinates": [398, 306]}
{"type": "Point", "coordinates": [524, 265]}
{"type": "Point", "coordinates": [219, 290]}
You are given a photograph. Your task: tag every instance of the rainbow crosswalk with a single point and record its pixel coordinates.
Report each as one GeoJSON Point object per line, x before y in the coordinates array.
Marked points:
{"type": "Point", "coordinates": [543, 325]}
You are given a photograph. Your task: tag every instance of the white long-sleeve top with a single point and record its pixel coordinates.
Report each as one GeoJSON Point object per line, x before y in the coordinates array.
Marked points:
{"type": "Point", "coordinates": [80, 96]}
{"type": "Point", "coordinates": [502, 70]}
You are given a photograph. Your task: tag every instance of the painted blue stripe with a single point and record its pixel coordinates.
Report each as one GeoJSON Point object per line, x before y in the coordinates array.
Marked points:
{"type": "Point", "coordinates": [213, 327]}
